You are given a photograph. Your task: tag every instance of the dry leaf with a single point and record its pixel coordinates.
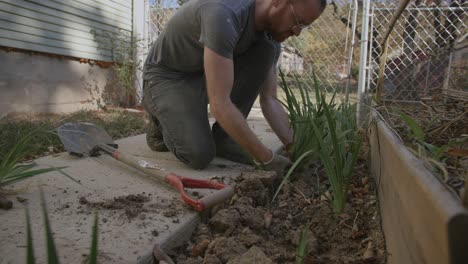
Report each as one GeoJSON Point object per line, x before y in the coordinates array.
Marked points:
{"type": "Point", "coordinates": [458, 152]}
{"type": "Point", "coordinates": [200, 248]}
{"type": "Point", "coordinates": [369, 253]}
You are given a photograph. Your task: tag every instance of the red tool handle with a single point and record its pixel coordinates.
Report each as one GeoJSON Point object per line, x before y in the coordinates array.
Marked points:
{"type": "Point", "coordinates": [180, 183]}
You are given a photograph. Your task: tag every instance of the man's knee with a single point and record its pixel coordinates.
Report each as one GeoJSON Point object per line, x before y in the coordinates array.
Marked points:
{"type": "Point", "coordinates": [199, 157]}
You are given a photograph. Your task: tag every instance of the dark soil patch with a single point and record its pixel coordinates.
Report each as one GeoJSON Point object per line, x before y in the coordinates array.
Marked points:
{"type": "Point", "coordinates": [250, 227]}
{"type": "Point", "coordinates": [133, 205]}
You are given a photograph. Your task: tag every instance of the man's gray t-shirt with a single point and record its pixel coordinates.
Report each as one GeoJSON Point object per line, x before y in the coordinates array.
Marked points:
{"type": "Point", "coordinates": [225, 26]}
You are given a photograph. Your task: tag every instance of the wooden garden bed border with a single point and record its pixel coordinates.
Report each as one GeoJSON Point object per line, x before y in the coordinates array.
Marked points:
{"type": "Point", "coordinates": [423, 222]}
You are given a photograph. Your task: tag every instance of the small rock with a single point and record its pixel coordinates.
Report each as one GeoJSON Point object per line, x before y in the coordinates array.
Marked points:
{"type": "Point", "coordinates": [250, 239]}
{"type": "Point", "coordinates": [211, 259]}
{"type": "Point", "coordinates": [312, 244]}
{"type": "Point", "coordinates": [268, 178]}
{"type": "Point", "coordinates": [224, 219]}
{"type": "Point", "coordinates": [246, 231]}
{"type": "Point", "coordinates": [227, 248]}
{"type": "Point", "coordinates": [244, 200]}
{"type": "Point", "coordinates": [254, 255]}
{"type": "Point", "coordinates": [254, 189]}
{"type": "Point", "coordinates": [202, 229]}
{"type": "Point", "coordinates": [251, 217]}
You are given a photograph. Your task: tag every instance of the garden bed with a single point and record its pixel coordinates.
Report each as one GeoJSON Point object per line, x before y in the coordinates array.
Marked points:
{"type": "Point", "coordinates": [251, 227]}
{"type": "Point", "coordinates": [423, 221]}
{"type": "Point", "coordinates": [430, 126]}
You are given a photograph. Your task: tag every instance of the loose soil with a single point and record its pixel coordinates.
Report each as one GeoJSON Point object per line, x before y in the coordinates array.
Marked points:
{"type": "Point", "coordinates": [131, 206]}
{"type": "Point", "coordinates": [252, 228]}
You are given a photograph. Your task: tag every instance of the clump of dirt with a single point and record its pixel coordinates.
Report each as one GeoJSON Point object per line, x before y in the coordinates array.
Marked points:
{"type": "Point", "coordinates": [251, 227]}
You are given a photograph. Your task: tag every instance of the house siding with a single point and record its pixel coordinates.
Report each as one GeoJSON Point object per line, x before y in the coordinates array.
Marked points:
{"type": "Point", "coordinates": [64, 27]}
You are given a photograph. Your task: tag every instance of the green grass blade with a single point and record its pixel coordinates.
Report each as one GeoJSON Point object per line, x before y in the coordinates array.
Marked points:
{"type": "Point", "coordinates": [94, 244]}
{"type": "Point", "coordinates": [52, 257]}
{"type": "Point", "coordinates": [29, 241]}
{"type": "Point", "coordinates": [60, 169]}
{"type": "Point", "coordinates": [17, 169]}
{"type": "Point", "coordinates": [332, 129]}
{"type": "Point", "coordinates": [12, 177]}
{"type": "Point", "coordinates": [291, 170]}
{"type": "Point", "coordinates": [18, 152]}
{"type": "Point", "coordinates": [303, 246]}
{"type": "Point", "coordinates": [416, 129]}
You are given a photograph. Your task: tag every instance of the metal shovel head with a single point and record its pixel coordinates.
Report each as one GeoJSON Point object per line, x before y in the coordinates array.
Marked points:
{"type": "Point", "coordinates": [83, 138]}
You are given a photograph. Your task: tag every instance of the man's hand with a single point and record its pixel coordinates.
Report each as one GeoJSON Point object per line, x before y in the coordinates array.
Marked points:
{"type": "Point", "coordinates": [285, 150]}
{"type": "Point", "coordinates": [278, 163]}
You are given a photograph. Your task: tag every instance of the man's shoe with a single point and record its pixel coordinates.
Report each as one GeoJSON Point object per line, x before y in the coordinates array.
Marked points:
{"type": "Point", "coordinates": [154, 136]}
{"type": "Point", "coordinates": [228, 149]}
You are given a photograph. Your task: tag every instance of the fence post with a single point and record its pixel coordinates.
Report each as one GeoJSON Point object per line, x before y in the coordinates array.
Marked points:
{"type": "Point", "coordinates": [139, 33]}
{"type": "Point", "coordinates": [361, 108]}
{"type": "Point", "coordinates": [353, 42]}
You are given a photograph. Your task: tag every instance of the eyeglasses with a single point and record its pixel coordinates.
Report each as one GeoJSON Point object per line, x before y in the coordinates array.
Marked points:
{"type": "Point", "coordinates": [296, 29]}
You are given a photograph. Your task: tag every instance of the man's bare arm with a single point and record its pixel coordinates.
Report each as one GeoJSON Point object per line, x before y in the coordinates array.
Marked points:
{"type": "Point", "coordinates": [219, 72]}
{"type": "Point", "coordinates": [273, 110]}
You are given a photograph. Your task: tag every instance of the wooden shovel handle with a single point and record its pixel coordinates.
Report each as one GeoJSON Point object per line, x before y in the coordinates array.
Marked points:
{"type": "Point", "coordinates": [132, 162]}
{"type": "Point", "coordinates": [179, 182]}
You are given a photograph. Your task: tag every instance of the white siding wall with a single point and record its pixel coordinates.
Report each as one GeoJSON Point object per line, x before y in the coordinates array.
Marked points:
{"type": "Point", "coordinates": [63, 26]}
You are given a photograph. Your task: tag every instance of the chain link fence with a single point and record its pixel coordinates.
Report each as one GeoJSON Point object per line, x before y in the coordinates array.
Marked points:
{"type": "Point", "coordinates": [326, 46]}
{"type": "Point", "coordinates": [427, 50]}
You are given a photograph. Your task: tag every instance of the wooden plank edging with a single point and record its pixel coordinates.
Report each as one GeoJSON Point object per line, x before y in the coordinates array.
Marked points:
{"type": "Point", "coordinates": [422, 221]}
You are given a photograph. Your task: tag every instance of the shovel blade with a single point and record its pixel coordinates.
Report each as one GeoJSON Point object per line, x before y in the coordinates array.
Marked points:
{"type": "Point", "coordinates": [83, 138]}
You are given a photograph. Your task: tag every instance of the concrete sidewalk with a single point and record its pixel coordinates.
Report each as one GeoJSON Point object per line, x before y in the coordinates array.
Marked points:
{"type": "Point", "coordinates": [124, 233]}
